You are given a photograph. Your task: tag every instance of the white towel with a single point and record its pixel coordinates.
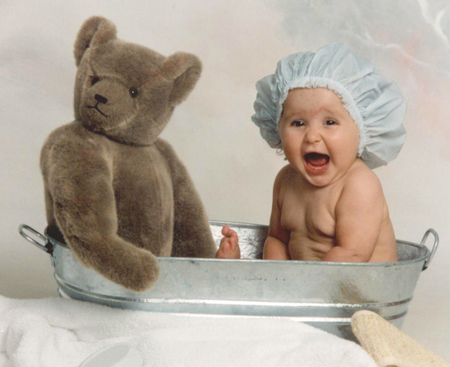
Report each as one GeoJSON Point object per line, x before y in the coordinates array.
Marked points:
{"type": "Point", "coordinates": [56, 332]}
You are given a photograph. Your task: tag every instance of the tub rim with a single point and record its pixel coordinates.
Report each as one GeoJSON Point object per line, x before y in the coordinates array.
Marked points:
{"type": "Point", "coordinates": [47, 243]}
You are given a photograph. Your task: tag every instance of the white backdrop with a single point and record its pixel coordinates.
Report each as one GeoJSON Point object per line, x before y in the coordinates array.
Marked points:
{"type": "Point", "coordinates": [232, 167]}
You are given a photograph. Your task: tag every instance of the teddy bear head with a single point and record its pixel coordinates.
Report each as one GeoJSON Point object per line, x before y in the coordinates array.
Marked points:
{"type": "Point", "coordinates": [125, 91]}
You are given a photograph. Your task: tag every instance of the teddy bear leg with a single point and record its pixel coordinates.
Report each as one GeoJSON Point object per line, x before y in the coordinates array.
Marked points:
{"type": "Point", "coordinates": [192, 236]}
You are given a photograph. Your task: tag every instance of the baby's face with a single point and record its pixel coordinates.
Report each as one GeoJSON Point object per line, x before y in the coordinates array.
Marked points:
{"type": "Point", "coordinates": [320, 139]}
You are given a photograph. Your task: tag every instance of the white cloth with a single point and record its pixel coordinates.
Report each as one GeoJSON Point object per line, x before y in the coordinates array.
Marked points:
{"type": "Point", "coordinates": [56, 332]}
{"type": "Point", "coordinates": [376, 104]}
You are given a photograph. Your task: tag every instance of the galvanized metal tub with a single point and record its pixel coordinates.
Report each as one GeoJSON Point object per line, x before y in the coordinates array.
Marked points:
{"type": "Point", "coordinates": [322, 294]}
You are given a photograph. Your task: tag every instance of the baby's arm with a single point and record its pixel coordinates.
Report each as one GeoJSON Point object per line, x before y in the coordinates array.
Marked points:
{"type": "Point", "coordinates": [276, 245]}
{"type": "Point", "coordinates": [359, 214]}
{"type": "Point", "coordinates": [274, 249]}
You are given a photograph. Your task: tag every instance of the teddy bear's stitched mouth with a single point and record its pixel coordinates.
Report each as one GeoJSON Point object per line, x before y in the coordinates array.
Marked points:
{"type": "Point", "coordinates": [97, 109]}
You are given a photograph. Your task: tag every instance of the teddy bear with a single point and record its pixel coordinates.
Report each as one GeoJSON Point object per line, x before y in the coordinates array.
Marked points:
{"type": "Point", "coordinates": [116, 192]}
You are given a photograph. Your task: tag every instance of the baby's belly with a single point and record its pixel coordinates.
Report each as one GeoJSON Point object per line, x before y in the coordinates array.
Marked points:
{"type": "Point", "coordinates": [306, 249]}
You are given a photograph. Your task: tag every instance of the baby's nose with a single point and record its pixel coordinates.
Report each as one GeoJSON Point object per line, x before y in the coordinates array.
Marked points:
{"type": "Point", "coordinates": [313, 135]}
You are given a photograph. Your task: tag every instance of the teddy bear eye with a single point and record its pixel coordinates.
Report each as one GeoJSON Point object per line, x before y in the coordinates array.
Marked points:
{"type": "Point", "coordinates": [94, 79]}
{"type": "Point", "coordinates": [133, 92]}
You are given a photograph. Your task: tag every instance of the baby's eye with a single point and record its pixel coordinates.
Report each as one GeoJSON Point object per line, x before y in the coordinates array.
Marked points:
{"type": "Point", "coordinates": [298, 123]}
{"type": "Point", "coordinates": [330, 122]}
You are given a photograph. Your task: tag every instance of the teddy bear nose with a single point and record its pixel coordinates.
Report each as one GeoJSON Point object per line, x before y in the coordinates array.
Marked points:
{"type": "Point", "coordinates": [100, 99]}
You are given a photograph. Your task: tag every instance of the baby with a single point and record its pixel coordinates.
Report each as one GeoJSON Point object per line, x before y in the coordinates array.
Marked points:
{"type": "Point", "coordinates": [336, 118]}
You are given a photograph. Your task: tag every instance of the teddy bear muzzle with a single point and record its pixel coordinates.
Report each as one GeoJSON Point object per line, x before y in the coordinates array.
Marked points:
{"type": "Point", "coordinates": [107, 108]}
{"type": "Point", "coordinates": [100, 100]}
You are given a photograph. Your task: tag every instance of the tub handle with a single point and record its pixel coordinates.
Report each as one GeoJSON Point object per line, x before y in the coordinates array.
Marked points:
{"type": "Point", "coordinates": [43, 242]}
{"type": "Point", "coordinates": [434, 248]}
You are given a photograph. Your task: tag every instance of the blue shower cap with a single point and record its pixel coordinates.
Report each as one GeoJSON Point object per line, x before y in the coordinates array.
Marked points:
{"type": "Point", "coordinates": [375, 103]}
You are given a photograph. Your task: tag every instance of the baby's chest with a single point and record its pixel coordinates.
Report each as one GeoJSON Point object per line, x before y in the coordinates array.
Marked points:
{"type": "Point", "coordinates": [308, 216]}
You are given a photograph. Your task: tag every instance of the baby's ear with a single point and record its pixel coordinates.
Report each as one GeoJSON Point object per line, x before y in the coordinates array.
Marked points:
{"type": "Point", "coordinates": [184, 69]}
{"type": "Point", "coordinates": [94, 31]}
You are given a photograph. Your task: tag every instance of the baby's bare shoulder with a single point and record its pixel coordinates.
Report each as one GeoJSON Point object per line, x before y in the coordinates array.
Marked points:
{"type": "Point", "coordinates": [362, 187]}
{"type": "Point", "coordinates": [286, 178]}
{"type": "Point", "coordinates": [362, 177]}
{"type": "Point", "coordinates": [286, 174]}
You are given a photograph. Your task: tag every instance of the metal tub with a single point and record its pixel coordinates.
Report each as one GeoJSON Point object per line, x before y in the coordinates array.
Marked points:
{"type": "Point", "coordinates": [322, 294]}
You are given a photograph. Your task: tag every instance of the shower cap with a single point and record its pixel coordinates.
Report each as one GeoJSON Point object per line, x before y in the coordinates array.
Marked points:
{"type": "Point", "coordinates": [376, 104]}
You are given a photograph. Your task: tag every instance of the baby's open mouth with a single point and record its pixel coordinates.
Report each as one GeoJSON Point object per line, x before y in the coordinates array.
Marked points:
{"type": "Point", "coordinates": [316, 162]}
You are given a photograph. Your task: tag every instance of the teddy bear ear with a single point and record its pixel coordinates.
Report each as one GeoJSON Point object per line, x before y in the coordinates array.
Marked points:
{"type": "Point", "coordinates": [184, 69]}
{"type": "Point", "coordinates": [94, 31]}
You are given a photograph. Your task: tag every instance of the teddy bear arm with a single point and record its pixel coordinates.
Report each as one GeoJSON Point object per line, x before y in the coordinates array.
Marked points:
{"type": "Point", "coordinates": [192, 235]}
{"type": "Point", "coordinates": [79, 182]}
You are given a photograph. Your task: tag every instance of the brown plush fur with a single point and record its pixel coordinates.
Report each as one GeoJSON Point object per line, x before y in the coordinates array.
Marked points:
{"type": "Point", "coordinates": [119, 194]}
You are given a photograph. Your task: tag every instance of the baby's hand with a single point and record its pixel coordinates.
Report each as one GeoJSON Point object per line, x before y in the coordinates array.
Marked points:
{"type": "Point", "coordinates": [229, 245]}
